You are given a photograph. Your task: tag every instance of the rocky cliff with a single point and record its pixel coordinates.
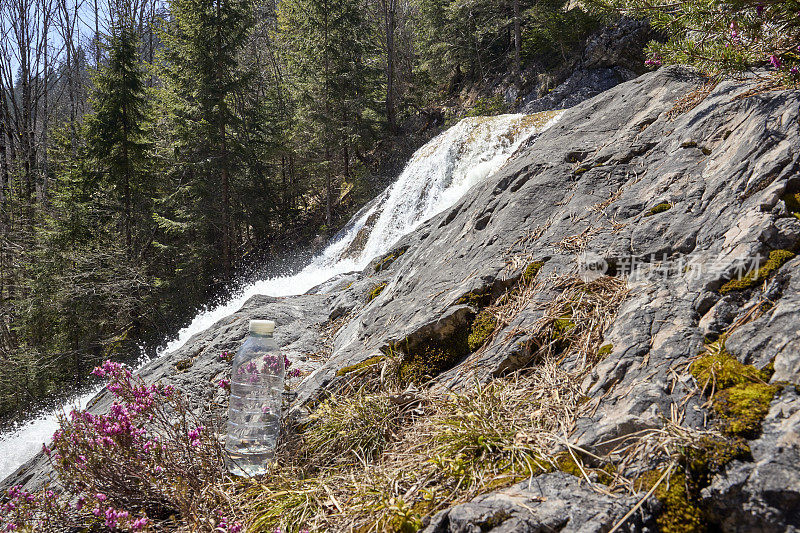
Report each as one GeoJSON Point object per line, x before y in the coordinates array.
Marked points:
{"type": "Point", "coordinates": [641, 248]}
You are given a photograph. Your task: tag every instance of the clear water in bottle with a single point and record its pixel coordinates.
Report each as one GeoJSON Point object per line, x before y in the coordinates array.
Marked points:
{"type": "Point", "coordinates": [254, 413]}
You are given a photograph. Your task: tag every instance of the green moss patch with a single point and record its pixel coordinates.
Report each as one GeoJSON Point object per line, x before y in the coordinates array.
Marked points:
{"type": "Point", "coordinates": [660, 208]}
{"type": "Point", "coordinates": [605, 350]}
{"type": "Point", "coordinates": [792, 201]}
{"type": "Point", "coordinates": [709, 456]}
{"type": "Point", "coordinates": [742, 395]}
{"type": "Point", "coordinates": [388, 259]}
{"type": "Point", "coordinates": [375, 291]}
{"type": "Point", "coordinates": [776, 260]}
{"type": "Point", "coordinates": [679, 514]}
{"type": "Point", "coordinates": [531, 271]}
{"type": "Point", "coordinates": [363, 365]}
{"type": "Point", "coordinates": [722, 370]}
{"type": "Point", "coordinates": [482, 328]}
{"type": "Point", "coordinates": [432, 356]}
{"type": "Point", "coordinates": [567, 464]}
{"type": "Point", "coordinates": [478, 299]}
{"type": "Point", "coordinates": [741, 408]}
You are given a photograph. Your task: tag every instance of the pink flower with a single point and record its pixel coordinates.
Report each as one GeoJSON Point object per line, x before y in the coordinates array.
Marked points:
{"type": "Point", "coordinates": [775, 61]}
{"type": "Point", "coordinates": [101, 497]}
{"type": "Point", "coordinates": [139, 524]}
{"type": "Point", "coordinates": [794, 70]}
{"type": "Point", "coordinates": [654, 61]}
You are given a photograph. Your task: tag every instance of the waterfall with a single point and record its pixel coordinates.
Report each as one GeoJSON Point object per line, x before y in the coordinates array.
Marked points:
{"type": "Point", "coordinates": [434, 179]}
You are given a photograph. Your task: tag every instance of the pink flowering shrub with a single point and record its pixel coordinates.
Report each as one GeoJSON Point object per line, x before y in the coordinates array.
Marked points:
{"type": "Point", "coordinates": [148, 458]}
{"type": "Point", "coordinates": [721, 36]}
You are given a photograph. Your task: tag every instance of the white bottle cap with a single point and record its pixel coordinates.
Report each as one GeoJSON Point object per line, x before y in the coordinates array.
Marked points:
{"type": "Point", "coordinates": [262, 327]}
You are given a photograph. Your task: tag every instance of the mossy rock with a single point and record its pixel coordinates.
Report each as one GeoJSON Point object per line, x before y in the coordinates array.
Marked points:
{"type": "Point", "coordinates": [792, 201]}
{"type": "Point", "coordinates": [723, 370]}
{"type": "Point", "coordinates": [741, 408]}
{"type": "Point", "coordinates": [375, 292]}
{"type": "Point", "coordinates": [742, 392]}
{"type": "Point", "coordinates": [709, 456]}
{"type": "Point", "coordinates": [482, 328]}
{"type": "Point", "coordinates": [660, 208]}
{"type": "Point", "coordinates": [607, 474]}
{"type": "Point", "coordinates": [427, 364]}
{"type": "Point", "coordinates": [776, 260]}
{"type": "Point", "coordinates": [531, 271]}
{"type": "Point", "coordinates": [678, 514]}
{"type": "Point", "coordinates": [363, 365]}
{"type": "Point", "coordinates": [605, 350]}
{"type": "Point", "coordinates": [480, 298]}
{"type": "Point", "coordinates": [567, 464]}
{"type": "Point", "coordinates": [432, 356]}
{"type": "Point", "coordinates": [388, 259]}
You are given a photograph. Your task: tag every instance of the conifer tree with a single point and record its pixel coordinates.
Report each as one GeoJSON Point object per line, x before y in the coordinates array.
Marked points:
{"type": "Point", "coordinates": [202, 41]}
{"type": "Point", "coordinates": [116, 133]}
{"type": "Point", "coordinates": [332, 83]}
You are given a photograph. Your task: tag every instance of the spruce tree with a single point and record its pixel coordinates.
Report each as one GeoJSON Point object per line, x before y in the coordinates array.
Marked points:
{"type": "Point", "coordinates": [333, 84]}
{"type": "Point", "coordinates": [203, 40]}
{"type": "Point", "coordinates": [116, 133]}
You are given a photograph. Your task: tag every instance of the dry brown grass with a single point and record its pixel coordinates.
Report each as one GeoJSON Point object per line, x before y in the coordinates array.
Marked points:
{"type": "Point", "coordinates": [691, 99]}
{"type": "Point", "coordinates": [572, 323]}
{"type": "Point", "coordinates": [377, 459]}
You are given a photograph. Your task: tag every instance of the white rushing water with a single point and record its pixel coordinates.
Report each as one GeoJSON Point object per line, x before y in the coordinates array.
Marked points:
{"type": "Point", "coordinates": [434, 179]}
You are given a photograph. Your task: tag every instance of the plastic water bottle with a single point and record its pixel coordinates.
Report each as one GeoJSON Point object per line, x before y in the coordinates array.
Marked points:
{"type": "Point", "coordinates": [254, 413]}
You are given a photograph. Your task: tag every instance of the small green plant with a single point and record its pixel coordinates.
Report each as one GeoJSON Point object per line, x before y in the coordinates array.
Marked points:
{"type": "Point", "coordinates": [360, 424]}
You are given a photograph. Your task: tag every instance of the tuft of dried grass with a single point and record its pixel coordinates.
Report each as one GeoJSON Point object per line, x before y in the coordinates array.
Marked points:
{"type": "Point", "coordinates": [692, 99]}
{"type": "Point", "coordinates": [572, 323]}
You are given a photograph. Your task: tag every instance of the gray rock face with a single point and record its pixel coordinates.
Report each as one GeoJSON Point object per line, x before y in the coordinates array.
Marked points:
{"type": "Point", "coordinates": [588, 184]}
{"type": "Point", "coordinates": [611, 56]}
{"type": "Point", "coordinates": [551, 502]}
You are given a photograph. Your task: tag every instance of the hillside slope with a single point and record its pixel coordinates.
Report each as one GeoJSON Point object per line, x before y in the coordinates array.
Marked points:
{"type": "Point", "coordinates": [658, 191]}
